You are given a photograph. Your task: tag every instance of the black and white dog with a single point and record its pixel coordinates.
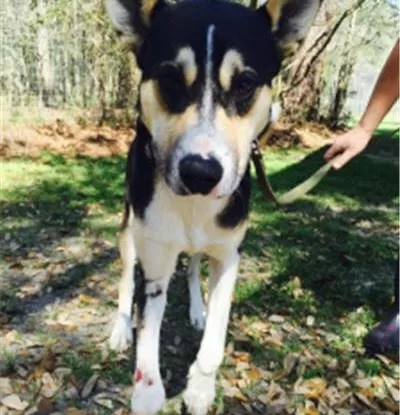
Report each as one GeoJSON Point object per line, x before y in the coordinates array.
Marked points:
{"type": "Point", "coordinates": [205, 95]}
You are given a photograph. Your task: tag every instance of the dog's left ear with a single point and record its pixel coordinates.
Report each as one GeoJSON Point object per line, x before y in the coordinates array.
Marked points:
{"type": "Point", "coordinates": [291, 21]}
{"type": "Point", "coordinates": [132, 18]}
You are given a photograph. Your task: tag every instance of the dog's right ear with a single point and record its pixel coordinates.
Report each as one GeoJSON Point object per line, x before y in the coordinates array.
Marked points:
{"type": "Point", "coordinates": [290, 22]}
{"type": "Point", "coordinates": [132, 18]}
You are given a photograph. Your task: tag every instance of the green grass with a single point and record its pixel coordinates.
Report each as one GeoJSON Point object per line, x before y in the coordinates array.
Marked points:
{"type": "Point", "coordinates": [341, 238]}
{"type": "Point", "coordinates": [83, 366]}
{"type": "Point", "coordinates": [330, 256]}
{"type": "Point", "coordinates": [57, 196]}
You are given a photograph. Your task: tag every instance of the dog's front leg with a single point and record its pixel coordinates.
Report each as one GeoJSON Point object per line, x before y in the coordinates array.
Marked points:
{"type": "Point", "coordinates": [121, 335]}
{"type": "Point", "coordinates": [200, 391]}
{"type": "Point", "coordinates": [158, 264]}
{"type": "Point", "coordinates": [197, 308]}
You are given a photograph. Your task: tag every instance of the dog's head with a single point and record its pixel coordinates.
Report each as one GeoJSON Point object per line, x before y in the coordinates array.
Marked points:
{"type": "Point", "coordinates": [207, 67]}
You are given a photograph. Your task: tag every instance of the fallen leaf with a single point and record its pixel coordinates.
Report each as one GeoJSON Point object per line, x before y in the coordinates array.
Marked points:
{"type": "Point", "coordinates": [275, 318]}
{"type": "Point", "coordinates": [390, 405]}
{"type": "Point", "coordinates": [394, 392]}
{"type": "Point", "coordinates": [14, 402]}
{"type": "Point", "coordinates": [75, 411]}
{"type": "Point", "coordinates": [239, 395]}
{"type": "Point", "coordinates": [264, 398]}
{"type": "Point", "coordinates": [106, 403]}
{"type": "Point", "coordinates": [31, 411]}
{"type": "Point", "coordinates": [363, 399]}
{"type": "Point", "coordinates": [342, 383]}
{"type": "Point", "coordinates": [122, 411]}
{"type": "Point", "coordinates": [386, 361]}
{"type": "Point", "coordinates": [310, 321]}
{"type": "Point", "coordinates": [48, 361]}
{"type": "Point", "coordinates": [254, 374]}
{"type": "Point", "coordinates": [277, 408]}
{"type": "Point", "coordinates": [5, 386]}
{"type": "Point", "coordinates": [45, 406]}
{"type": "Point", "coordinates": [333, 395]}
{"type": "Point", "coordinates": [71, 393]}
{"type": "Point", "coordinates": [49, 385]}
{"type": "Point", "coordinates": [312, 388]}
{"type": "Point", "coordinates": [86, 299]}
{"type": "Point", "coordinates": [333, 364]}
{"type": "Point", "coordinates": [351, 369]}
{"type": "Point", "coordinates": [309, 411]}
{"type": "Point", "coordinates": [290, 362]}
{"type": "Point", "coordinates": [87, 390]}
{"type": "Point", "coordinates": [363, 383]}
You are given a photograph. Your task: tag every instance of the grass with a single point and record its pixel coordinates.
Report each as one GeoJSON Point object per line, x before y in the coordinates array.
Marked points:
{"type": "Point", "coordinates": [330, 256]}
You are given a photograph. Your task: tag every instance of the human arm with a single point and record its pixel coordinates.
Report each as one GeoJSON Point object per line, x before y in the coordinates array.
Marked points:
{"type": "Point", "coordinates": [384, 95]}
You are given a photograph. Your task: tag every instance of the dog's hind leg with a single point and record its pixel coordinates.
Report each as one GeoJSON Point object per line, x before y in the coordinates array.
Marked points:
{"type": "Point", "coordinates": [200, 390]}
{"type": "Point", "coordinates": [197, 309]}
{"type": "Point", "coordinates": [158, 263]}
{"type": "Point", "coordinates": [121, 335]}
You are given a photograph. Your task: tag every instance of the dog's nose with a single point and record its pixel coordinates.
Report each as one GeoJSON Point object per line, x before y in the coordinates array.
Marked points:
{"type": "Point", "coordinates": [199, 175]}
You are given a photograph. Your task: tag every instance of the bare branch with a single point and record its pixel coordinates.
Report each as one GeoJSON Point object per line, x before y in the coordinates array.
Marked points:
{"type": "Point", "coordinates": [328, 34]}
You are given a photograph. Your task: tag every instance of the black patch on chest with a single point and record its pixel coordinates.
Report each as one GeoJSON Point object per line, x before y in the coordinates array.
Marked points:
{"type": "Point", "coordinates": [140, 172]}
{"type": "Point", "coordinates": [237, 209]}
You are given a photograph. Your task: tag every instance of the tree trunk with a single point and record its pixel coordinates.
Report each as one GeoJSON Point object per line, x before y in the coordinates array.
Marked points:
{"type": "Point", "coordinates": [45, 72]}
{"type": "Point", "coordinates": [344, 77]}
{"type": "Point", "coordinates": [124, 84]}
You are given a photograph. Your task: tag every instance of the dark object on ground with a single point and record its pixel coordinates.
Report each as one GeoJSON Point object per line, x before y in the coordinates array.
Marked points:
{"type": "Point", "coordinates": [384, 338]}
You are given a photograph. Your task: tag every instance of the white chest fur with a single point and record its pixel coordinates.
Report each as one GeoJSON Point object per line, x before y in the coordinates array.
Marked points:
{"type": "Point", "coordinates": [187, 223]}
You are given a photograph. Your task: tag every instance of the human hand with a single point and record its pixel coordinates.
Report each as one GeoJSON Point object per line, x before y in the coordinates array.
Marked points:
{"type": "Point", "coordinates": [347, 146]}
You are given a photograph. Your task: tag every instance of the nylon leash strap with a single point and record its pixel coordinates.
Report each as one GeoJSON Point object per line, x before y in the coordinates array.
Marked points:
{"type": "Point", "coordinates": [265, 186]}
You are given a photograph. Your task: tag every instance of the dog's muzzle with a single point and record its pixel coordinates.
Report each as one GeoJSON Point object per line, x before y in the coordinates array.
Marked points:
{"type": "Point", "coordinates": [199, 175]}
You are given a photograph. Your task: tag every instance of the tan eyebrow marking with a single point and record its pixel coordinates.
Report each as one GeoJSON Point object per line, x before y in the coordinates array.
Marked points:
{"type": "Point", "coordinates": [232, 62]}
{"type": "Point", "coordinates": [187, 59]}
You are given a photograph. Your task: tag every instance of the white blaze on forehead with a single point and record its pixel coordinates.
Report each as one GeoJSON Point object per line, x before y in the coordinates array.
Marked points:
{"type": "Point", "coordinates": [231, 63]}
{"type": "Point", "coordinates": [187, 59]}
{"type": "Point", "coordinates": [206, 107]}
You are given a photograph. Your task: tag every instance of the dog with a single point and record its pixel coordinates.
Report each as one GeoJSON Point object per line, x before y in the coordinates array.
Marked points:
{"type": "Point", "coordinates": [204, 97]}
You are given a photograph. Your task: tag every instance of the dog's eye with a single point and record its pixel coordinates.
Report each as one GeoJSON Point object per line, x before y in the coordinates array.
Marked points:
{"type": "Point", "coordinates": [245, 83]}
{"type": "Point", "coordinates": [172, 87]}
{"type": "Point", "coordinates": [243, 89]}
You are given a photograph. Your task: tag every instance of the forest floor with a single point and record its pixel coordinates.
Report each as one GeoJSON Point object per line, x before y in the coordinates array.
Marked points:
{"type": "Point", "coordinates": [314, 278]}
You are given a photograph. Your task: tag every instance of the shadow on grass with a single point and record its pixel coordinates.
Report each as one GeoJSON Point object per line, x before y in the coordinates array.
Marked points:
{"type": "Point", "coordinates": [56, 208]}
{"type": "Point", "coordinates": [371, 178]}
{"type": "Point", "coordinates": [341, 243]}
{"type": "Point", "coordinates": [53, 209]}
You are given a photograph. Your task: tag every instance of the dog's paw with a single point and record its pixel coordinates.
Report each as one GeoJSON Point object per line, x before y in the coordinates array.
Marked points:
{"type": "Point", "coordinates": [197, 315]}
{"type": "Point", "coordinates": [148, 397]}
{"type": "Point", "coordinates": [121, 336]}
{"type": "Point", "coordinates": [200, 391]}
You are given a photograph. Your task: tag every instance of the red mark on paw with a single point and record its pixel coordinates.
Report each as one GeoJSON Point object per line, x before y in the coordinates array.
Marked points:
{"type": "Point", "coordinates": [139, 376]}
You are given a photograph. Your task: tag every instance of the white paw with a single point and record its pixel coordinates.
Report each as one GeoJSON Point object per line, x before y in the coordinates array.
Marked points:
{"type": "Point", "coordinates": [121, 336]}
{"type": "Point", "coordinates": [148, 397]}
{"type": "Point", "coordinates": [200, 391]}
{"type": "Point", "coordinates": [197, 314]}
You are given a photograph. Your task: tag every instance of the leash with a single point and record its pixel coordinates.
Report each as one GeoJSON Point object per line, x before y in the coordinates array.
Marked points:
{"type": "Point", "coordinates": [293, 194]}
{"type": "Point", "coordinates": [265, 186]}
